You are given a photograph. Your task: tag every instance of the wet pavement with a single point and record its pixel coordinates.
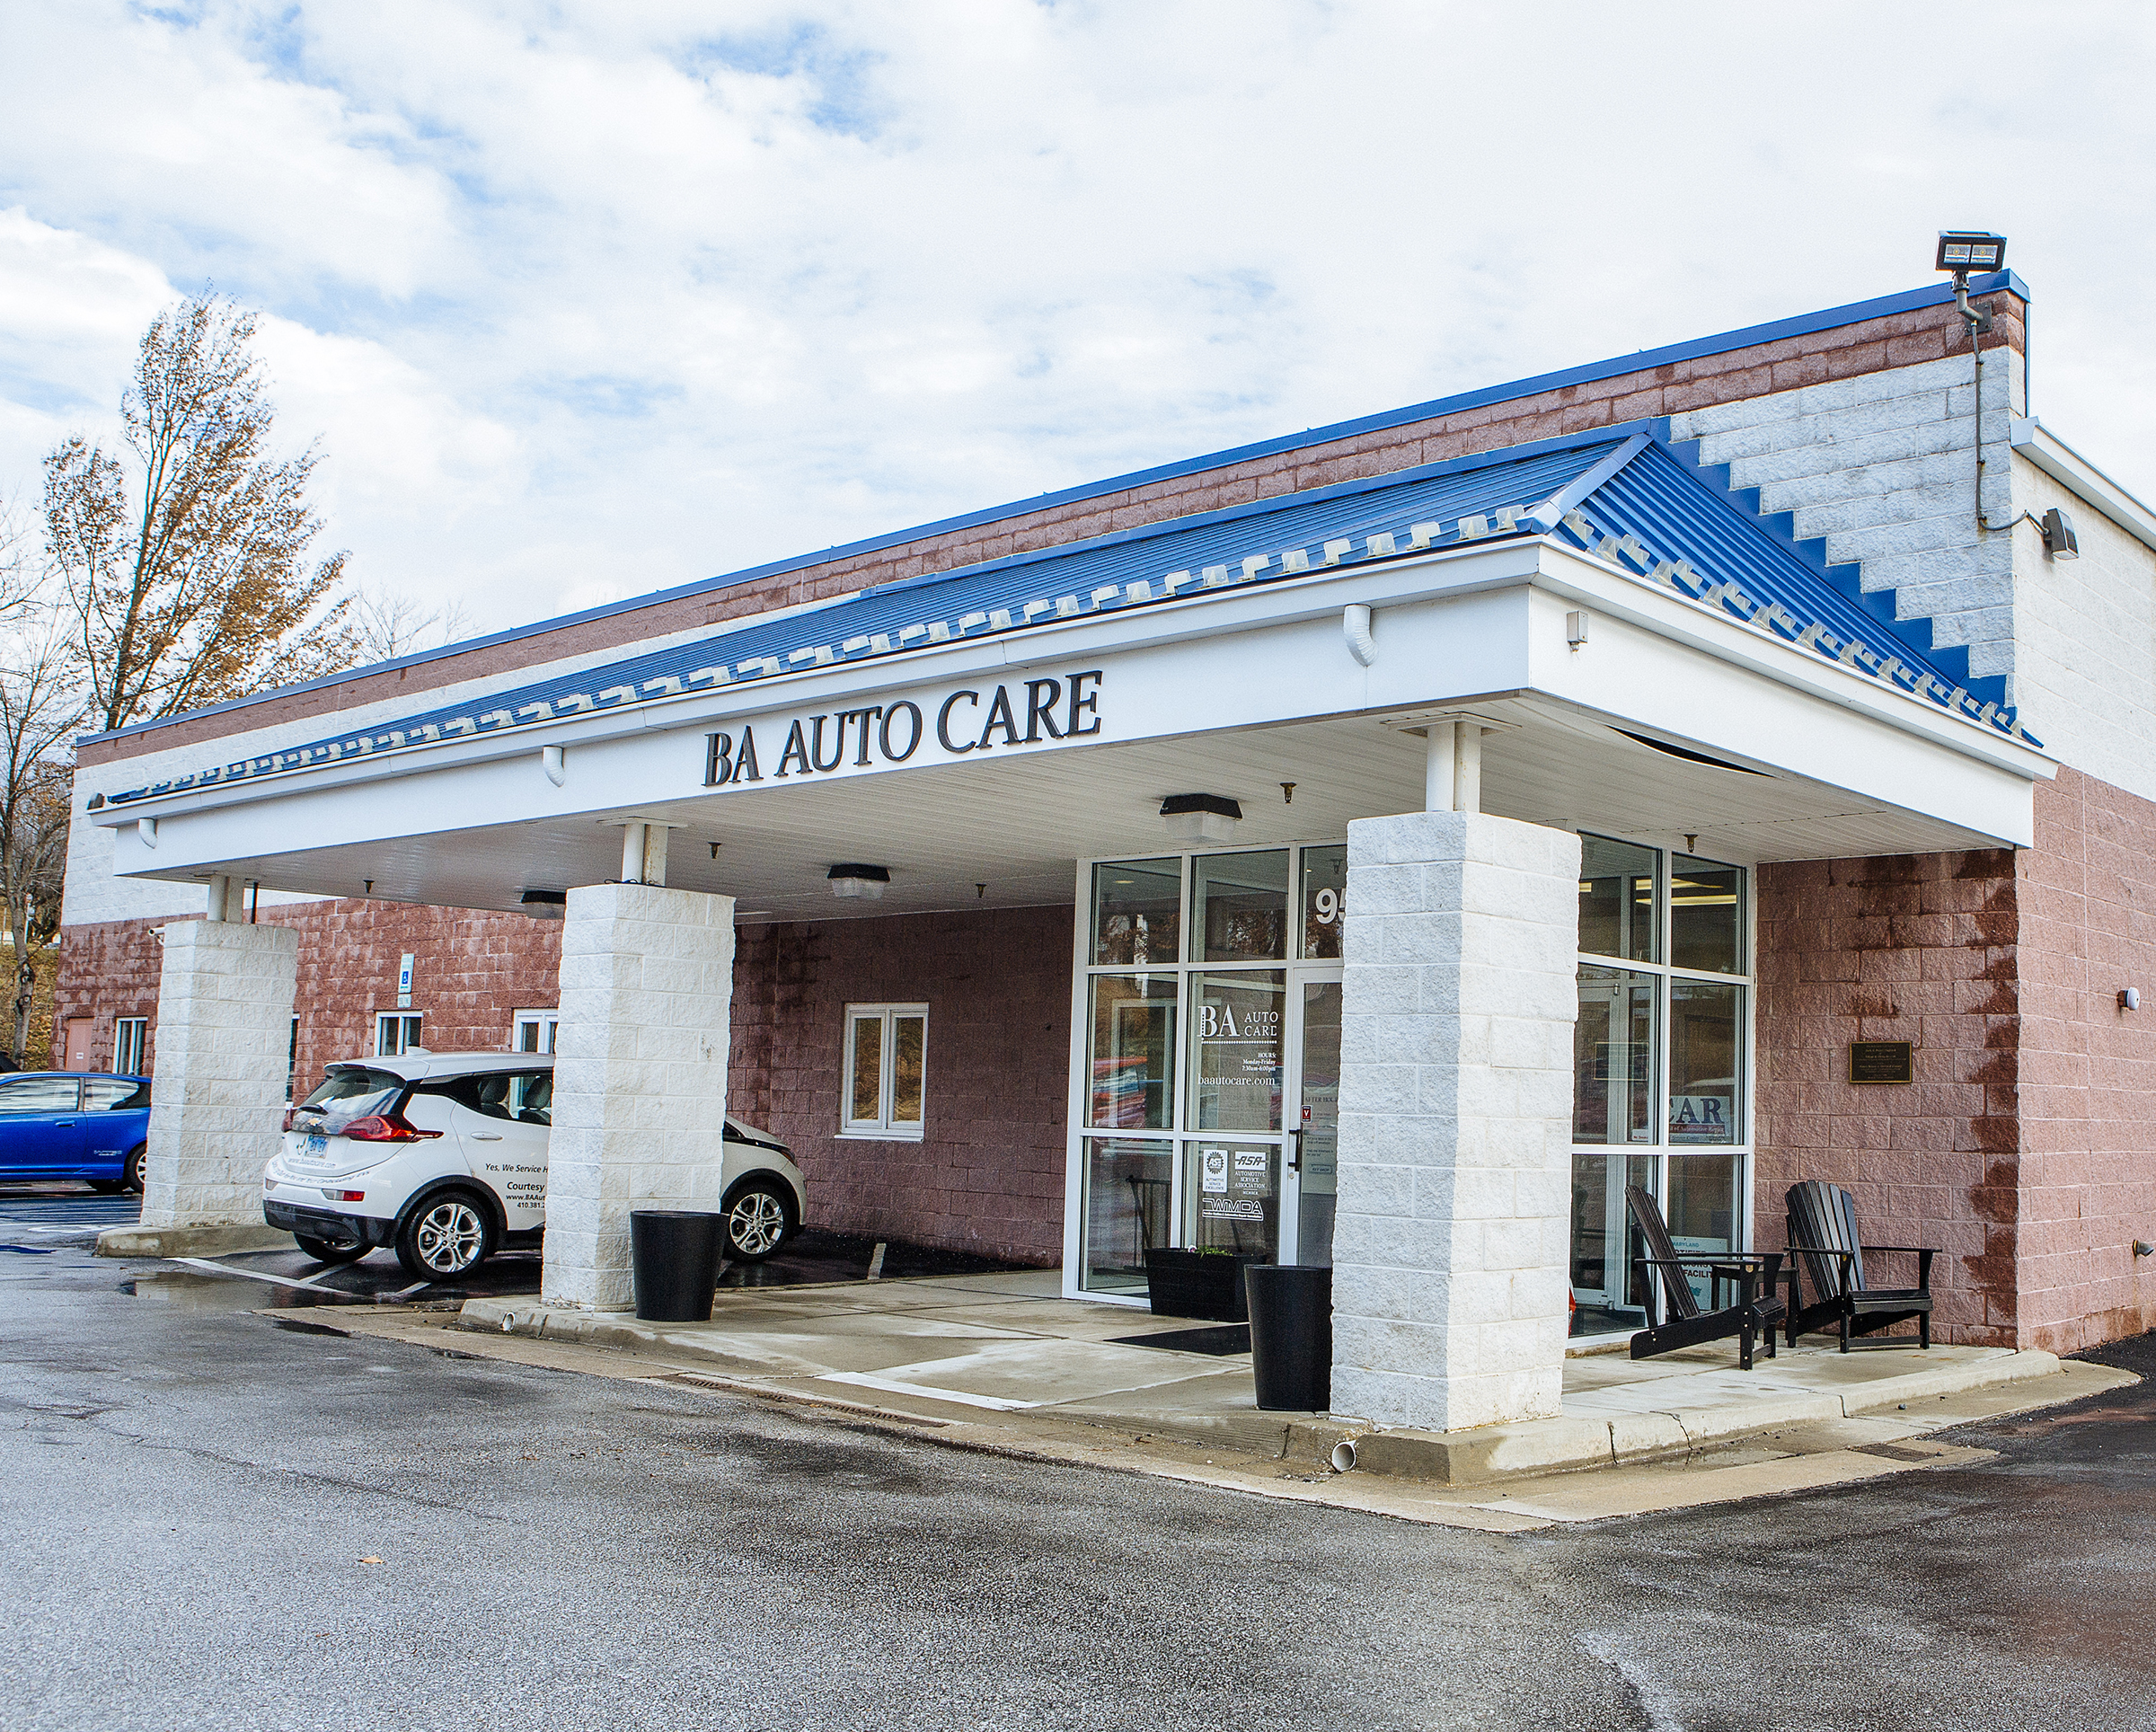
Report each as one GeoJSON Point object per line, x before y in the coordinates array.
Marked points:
{"type": "Point", "coordinates": [211, 1521]}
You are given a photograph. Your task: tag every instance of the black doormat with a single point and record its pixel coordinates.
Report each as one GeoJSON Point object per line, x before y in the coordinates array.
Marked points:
{"type": "Point", "coordinates": [1221, 1340]}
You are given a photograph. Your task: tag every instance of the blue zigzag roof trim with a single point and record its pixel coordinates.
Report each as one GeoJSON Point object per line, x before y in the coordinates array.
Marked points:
{"type": "Point", "coordinates": [1657, 516]}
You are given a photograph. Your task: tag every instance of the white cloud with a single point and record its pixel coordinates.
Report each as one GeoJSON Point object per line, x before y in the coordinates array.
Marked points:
{"type": "Point", "coordinates": [587, 306]}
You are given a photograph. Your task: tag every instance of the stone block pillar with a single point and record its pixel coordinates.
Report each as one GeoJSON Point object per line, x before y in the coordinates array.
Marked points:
{"type": "Point", "coordinates": [1452, 1245]}
{"type": "Point", "coordinates": [224, 1045]}
{"type": "Point", "coordinates": [639, 1077]}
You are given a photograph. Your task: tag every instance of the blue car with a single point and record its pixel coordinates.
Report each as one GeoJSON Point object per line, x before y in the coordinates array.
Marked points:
{"type": "Point", "coordinates": [74, 1125]}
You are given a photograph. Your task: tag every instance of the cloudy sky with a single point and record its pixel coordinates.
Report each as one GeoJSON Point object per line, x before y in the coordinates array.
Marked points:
{"type": "Point", "coordinates": [583, 301]}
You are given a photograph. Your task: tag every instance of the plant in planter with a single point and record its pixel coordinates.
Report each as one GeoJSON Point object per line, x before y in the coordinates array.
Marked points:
{"type": "Point", "coordinates": [1205, 1282]}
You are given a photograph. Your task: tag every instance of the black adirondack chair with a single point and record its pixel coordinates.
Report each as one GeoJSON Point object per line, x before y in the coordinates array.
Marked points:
{"type": "Point", "coordinates": [1826, 1250]}
{"type": "Point", "coordinates": [1753, 1278]}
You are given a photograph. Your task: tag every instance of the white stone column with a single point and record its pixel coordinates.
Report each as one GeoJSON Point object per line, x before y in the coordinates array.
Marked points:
{"type": "Point", "coordinates": [224, 1043]}
{"type": "Point", "coordinates": [639, 1077]}
{"type": "Point", "coordinates": [1451, 1249]}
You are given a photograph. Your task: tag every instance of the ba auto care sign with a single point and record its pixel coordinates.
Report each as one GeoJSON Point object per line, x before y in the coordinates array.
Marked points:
{"type": "Point", "coordinates": [941, 725]}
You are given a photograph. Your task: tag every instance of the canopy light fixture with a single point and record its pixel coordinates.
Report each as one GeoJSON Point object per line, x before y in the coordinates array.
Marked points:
{"type": "Point", "coordinates": [866, 882]}
{"type": "Point", "coordinates": [1201, 818]}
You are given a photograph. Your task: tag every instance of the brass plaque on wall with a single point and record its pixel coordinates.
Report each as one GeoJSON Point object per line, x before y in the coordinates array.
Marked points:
{"type": "Point", "coordinates": [1881, 1061]}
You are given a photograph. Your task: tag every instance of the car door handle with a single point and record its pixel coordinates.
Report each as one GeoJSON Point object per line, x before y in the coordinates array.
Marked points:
{"type": "Point", "coordinates": [63, 1123]}
{"type": "Point", "coordinates": [486, 1137]}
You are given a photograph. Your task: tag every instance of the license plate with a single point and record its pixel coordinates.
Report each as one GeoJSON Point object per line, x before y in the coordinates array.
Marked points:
{"type": "Point", "coordinates": [317, 1147]}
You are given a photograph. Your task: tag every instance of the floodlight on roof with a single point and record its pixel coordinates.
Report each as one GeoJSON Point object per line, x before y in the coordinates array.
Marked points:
{"type": "Point", "coordinates": [1962, 250]}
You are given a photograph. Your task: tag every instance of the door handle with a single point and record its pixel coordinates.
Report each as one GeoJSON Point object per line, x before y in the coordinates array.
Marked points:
{"type": "Point", "coordinates": [63, 1123]}
{"type": "Point", "coordinates": [1294, 1161]}
{"type": "Point", "coordinates": [486, 1137]}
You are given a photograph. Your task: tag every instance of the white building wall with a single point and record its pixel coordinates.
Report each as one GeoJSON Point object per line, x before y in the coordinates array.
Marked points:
{"type": "Point", "coordinates": [1883, 466]}
{"type": "Point", "coordinates": [2085, 639]}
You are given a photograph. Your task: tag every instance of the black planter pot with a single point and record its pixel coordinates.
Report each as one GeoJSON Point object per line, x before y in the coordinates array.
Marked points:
{"type": "Point", "coordinates": [1291, 1338]}
{"type": "Point", "coordinates": [1200, 1284]}
{"type": "Point", "coordinates": [674, 1255]}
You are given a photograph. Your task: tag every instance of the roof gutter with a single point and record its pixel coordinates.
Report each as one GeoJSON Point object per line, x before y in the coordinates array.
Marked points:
{"type": "Point", "coordinates": [2032, 439]}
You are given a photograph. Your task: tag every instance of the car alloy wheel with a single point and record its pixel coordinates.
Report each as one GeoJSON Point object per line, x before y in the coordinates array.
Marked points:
{"type": "Point", "coordinates": [132, 1178]}
{"type": "Point", "coordinates": [756, 1225]}
{"type": "Point", "coordinates": [449, 1237]}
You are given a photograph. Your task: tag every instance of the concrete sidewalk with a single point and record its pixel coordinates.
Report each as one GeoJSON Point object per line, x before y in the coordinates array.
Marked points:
{"type": "Point", "coordinates": [959, 1350]}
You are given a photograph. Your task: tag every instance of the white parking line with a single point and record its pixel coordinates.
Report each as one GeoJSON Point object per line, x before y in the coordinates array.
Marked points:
{"type": "Point", "coordinates": [309, 1284]}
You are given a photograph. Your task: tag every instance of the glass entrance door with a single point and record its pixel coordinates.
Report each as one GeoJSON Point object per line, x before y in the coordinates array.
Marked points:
{"type": "Point", "coordinates": [1314, 1141]}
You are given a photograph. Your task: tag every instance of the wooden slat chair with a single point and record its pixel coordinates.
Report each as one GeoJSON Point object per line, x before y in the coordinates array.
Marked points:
{"type": "Point", "coordinates": [1826, 1251]}
{"type": "Point", "coordinates": [1754, 1277]}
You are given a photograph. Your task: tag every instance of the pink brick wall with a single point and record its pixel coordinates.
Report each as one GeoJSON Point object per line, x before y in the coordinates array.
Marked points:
{"type": "Point", "coordinates": [2026, 1147]}
{"type": "Point", "coordinates": [472, 972]}
{"type": "Point", "coordinates": [2088, 1074]}
{"type": "Point", "coordinates": [989, 1175]}
{"type": "Point", "coordinates": [1919, 948]}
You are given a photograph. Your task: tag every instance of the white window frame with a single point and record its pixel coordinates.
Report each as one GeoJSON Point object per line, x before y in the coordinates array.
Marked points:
{"type": "Point", "coordinates": [547, 1025]}
{"type": "Point", "coordinates": [882, 1130]}
{"type": "Point", "coordinates": [130, 1039]}
{"type": "Point", "coordinates": [411, 1031]}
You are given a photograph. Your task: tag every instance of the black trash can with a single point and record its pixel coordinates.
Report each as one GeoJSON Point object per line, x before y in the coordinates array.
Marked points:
{"type": "Point", "coordinates": [1291, 1337]}
{"type": "Point", "coordinates": [675, 1256]}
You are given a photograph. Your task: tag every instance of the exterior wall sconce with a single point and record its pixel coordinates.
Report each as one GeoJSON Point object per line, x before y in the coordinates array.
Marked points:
{"type": "Point", "coordinates": [1575, 629]}
{"type": "Point", "coordinates": [864, 882]}
{"type": "Point", "coordinates": [2129, 998]}
{"type": "Point", "coordinates": [1201, 818]}
{"type": "Point", "coordinates": [2059, 540]}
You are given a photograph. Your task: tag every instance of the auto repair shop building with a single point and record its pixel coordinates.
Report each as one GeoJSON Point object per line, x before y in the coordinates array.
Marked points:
{"type": "Point", "coordinates": [1379, 845]}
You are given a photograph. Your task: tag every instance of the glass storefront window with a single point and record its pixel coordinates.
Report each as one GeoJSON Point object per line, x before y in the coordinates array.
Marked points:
{"type": "Point", "coordinates": [1239, 906]}
{"type": "Point", "coordinates": [1318, 1191]}
{"type": "Point", "coordinates": [1703, 1213]}
{"type": "Point", "coordinates": [1706, 915]}
{"type": "Point", "coordinates": [1237, 1047]}
{"type": "Point", "coordinates": [1617, 900]}
{"type": "Point", "coordinates": [1607, 1283]}
{"type": "Point", "coordinates": [1131, 1069]}
{"type": "Point", "coordinates": [1325, 902]}
{"type": "Point", "coordinates": [1137, 911]}
{"type": "Point", "coordinates": [1614, 1057]}
{"type": "Point", "coordinates": [1128, 1182]}
{"type": "Point", "coordinates": [1706, 1083]}
{"type": "Point", "coordinates": [1232, 1196]}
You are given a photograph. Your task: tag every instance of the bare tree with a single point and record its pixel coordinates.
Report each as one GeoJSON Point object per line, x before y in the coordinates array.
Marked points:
{"type": "Point", "coordinates": [42, 703]}
{"type": "Point", "coordinates": [385, 627]}
{"type": "Point", "coordinates": [184, 555]}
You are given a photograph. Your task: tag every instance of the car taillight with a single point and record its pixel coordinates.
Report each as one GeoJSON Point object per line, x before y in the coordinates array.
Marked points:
{"type": "Point", "coordinates": [385, 1128]}
{"type": "Point", "coordinates": [344, 1196]}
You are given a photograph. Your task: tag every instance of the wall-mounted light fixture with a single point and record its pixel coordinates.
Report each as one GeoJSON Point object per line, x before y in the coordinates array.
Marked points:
{"type": "Point", "coordinates": [2129, 998]}
{"type": "Point", "coordinates": [1962, 250]}
{"type": "Point", "coordinates": [853, 879]}
{"type": "Point", "coordinates": [1201, 818]}
{"type": "Point", "coordinates": [1575, 628]}
{"type": "Point", "coordinates": [2059, 540]}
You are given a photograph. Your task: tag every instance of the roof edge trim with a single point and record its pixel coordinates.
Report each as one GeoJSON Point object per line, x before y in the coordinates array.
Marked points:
{"type": "Point", "coordinates": [1742, 337]}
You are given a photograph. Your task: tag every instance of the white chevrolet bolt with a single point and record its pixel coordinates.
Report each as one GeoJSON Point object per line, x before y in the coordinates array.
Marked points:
{"type": "Point", "coordinates": [443, 1155]}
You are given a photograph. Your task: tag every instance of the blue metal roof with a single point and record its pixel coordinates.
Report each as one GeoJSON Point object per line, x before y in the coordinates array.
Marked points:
{"type": "Point", "coordinates": [1616, 367]}
{"type": "Point", "coordinates": [1624, 494]}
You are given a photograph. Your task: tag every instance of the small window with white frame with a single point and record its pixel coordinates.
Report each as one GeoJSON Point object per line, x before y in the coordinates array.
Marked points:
{"type": "Point", "coordinates": [885, 1079]}
{"type": "Point", "coordinates": [397, 1033]}
{"type": "Point", "coordinates": [535, 1031]}
{"type": "Point", "coordinates": [130, 1045]}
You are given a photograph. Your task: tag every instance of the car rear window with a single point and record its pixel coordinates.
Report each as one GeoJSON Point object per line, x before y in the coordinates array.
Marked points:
{"type": "Point", "coordinates": [353, 1090]}
{"type": "Point", "coordinates": [525, 1096]}
{"type": "Point", "coordinates": [115, 1094]}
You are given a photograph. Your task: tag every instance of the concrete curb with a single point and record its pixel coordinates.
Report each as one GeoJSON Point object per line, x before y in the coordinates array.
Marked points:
{"type": "Point", "coordinates": [1572, 1445]}
{"type": "Point", "coordinates": [189, 1241]}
